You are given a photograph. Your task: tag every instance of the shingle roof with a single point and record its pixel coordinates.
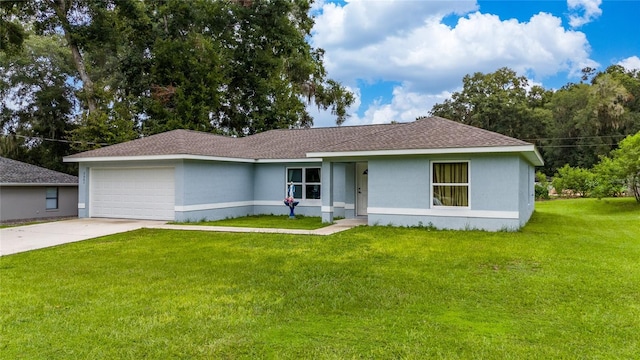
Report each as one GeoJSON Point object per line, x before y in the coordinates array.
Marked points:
{"type": "Point", "coordinates": [425, 133]}
{"type": "Point", "coordinates": [17, 172]}
{"type": "Point", "coordinates": [296, 143]}
{"type": "Point", "coordinates": [175, 142]}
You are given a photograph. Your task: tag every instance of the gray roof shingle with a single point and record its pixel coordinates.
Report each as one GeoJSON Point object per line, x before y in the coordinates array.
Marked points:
{"type": "Point", "coordinates": [427, 133]}
{"type": "Point", "coordinates": [424, 133]}
{"type": "Point", "coordinates": [17, 172]}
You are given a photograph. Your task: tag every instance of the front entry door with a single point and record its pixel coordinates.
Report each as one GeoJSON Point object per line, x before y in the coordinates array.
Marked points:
{"type": "Point", "coordinates": [362, 188]}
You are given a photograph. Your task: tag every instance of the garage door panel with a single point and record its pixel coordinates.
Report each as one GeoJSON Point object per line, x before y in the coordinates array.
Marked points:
{"type": "Point", "coordinates": [138, 193]}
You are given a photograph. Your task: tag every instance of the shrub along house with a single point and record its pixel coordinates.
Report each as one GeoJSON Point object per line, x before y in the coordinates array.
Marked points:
{"type": "Point", "coordinates": [432, 171]}
{"type": "Point", "coordinates": [29, 192]}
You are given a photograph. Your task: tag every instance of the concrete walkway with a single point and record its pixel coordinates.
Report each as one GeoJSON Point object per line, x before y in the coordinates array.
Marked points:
{"type": "Point", "coordinates": [340, 225]}
{"type": "Point", "coordinates": [38, 236]}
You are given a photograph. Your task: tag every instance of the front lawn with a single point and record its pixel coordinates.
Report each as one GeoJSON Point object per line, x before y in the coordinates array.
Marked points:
{"type": "Point", "coordinates": [267, 221]}
{"type": "Point", "coordinates": [566, 286]}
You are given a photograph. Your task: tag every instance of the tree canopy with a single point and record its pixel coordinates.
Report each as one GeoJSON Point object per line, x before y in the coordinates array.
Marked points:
{"type": "Point", "coordinates": [119, 69]}
{"type": "Point", "coordinates": [627, 160]}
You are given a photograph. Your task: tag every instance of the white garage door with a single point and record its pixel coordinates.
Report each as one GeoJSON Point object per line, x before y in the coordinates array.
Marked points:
{"type": "Point", "coordinates": [133, 193]}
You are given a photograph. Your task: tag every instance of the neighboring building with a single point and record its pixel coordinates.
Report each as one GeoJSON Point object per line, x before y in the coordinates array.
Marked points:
{"type": "Point", "coordinates": [31, 192]}
{"type": "Point", "coordinates": [432, 171]}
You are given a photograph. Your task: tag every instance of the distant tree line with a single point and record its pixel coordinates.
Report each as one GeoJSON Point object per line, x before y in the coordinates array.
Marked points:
{"type": "Point", "coordinates": [614, 175]}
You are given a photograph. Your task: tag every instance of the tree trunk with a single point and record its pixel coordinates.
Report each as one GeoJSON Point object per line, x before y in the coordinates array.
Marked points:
{"type": "Point", "coordinates": [59, 6]}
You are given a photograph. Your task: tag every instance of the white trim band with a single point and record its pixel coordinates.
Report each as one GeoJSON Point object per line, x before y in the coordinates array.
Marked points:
{"type": "Point", "coordinates": [303, 160]}
{"type": "Point", "coordinates": [529, 151]}
{"type": "Point", "coordinates": [325, 209]}
{"type": "Point", "coordinates": [185, 157]}
{"type": "Point", "coordinates": [486, 214]}
{"type": "Point", "coordinates": [226, 205]}
{"type": "Point", "coordinates": [268, 203]}
{"type": "Point", "coordinates": [156, 157]}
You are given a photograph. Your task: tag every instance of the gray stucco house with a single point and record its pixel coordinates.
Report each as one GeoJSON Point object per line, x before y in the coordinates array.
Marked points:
{"type": "Point", "coordinates": [31, 192]}
{"type": "Point", "coordinates": [432, 171]}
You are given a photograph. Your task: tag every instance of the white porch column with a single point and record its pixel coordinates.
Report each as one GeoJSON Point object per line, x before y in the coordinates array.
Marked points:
{"type": "Point", "coordinates": [350, 191]}
{"type": "Point", "coordinates": [327, 192]}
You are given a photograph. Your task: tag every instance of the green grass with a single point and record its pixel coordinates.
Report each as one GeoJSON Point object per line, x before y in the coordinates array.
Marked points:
{"type": "Point", "coordinates": [268, 221]}
{"type": "Point", "coordinates": [566, 286]}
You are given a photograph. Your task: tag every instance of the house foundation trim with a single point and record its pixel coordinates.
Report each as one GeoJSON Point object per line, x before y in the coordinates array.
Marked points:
{"type": "Point", "coordinates": [339, 204]}
{"type": "Point", "coordinates": [226, 205]}
{"type": "Point", "coordinates": [486, 214]}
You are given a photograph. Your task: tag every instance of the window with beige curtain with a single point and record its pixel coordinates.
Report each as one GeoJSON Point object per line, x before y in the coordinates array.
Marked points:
{"type": "Point", "coordinates": [450, 183]}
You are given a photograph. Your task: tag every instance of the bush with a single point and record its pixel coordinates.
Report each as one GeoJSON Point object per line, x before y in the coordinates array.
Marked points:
{"type": "Point", "coordinates": [609, 179]}
{"type": "Point", "coordinates": [574, 181]}
{"type": "Point", "coordinates": [542, 186]}
{"type": "Point", "coordinates": [542, 192]}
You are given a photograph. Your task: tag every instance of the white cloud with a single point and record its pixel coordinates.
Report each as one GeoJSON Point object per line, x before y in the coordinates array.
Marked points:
{"type": "Point", "coordinates": [361, 22]}
{"type": "Point", "coordinates": [430, 55]}
{"type": "Point", "coordinates": [630, 63]}
{"type": "Point", "coordinates": [405, 106]}
{"type": "Point", "coordinates": [317, 6]}
{"type": "Point", "coordinates": [583, 11]}
{"type": "Point", "coordinates": [416, 44]}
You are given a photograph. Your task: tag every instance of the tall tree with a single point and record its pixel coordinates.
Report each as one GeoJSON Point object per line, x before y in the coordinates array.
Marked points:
{"type": "Point", "coordinates": [12, 34]}
{"type": "Point", "coordinates": [630, 80]}
{"type": "Point", "coordinates": [233, 67]}
{"type": "Point", "coordinates": [500, 101]}
{"type": "Point", "coordinates": [588, 121]}
{"type": "Point", "coordinates": [627, 158]}
{"type": "Point", "coordinates": [38, 101]}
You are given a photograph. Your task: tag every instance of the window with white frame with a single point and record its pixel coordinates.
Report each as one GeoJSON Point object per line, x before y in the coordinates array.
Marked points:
{"type": "Point", "coordinates": [450, 183]}
{"type": "Point", "coordinates": [52, 198]}
{"type": "Point", "coordinates": [306, 182]}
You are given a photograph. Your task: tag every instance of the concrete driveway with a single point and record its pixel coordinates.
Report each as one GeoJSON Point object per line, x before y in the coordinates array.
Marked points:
{"type": "Point", "coordinates": [30, 237]}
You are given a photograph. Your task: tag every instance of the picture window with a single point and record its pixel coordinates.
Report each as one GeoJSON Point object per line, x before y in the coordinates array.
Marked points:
{"type": "Point", "coordinates": [450, 184]}
{"type": "Point", "coordinates": [306, 182]}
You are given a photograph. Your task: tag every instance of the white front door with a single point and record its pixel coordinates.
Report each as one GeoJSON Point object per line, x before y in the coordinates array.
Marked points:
{"type": "Point", "coordinates": [362, 188]}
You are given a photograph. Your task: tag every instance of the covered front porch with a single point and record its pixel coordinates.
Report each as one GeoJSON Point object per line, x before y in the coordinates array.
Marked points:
{"type": "Point", "coordinates": [345, 191]}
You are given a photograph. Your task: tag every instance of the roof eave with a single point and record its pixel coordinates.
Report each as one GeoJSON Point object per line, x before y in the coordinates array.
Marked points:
{"type": "Point", "coordinates": [155, 158]}
{"type": "Point", "coordinates": [534, 157]}
{"type": "Point", "coordinates": [291, 160]}
{"type": "Point", "coordinates": [186, 157]}
{"type": "Point", "coordinates": [529, 151]}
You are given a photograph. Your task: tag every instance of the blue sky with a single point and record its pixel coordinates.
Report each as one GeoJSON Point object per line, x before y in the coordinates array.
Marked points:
{"type": "Point", "coordinates": [400, 57]}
